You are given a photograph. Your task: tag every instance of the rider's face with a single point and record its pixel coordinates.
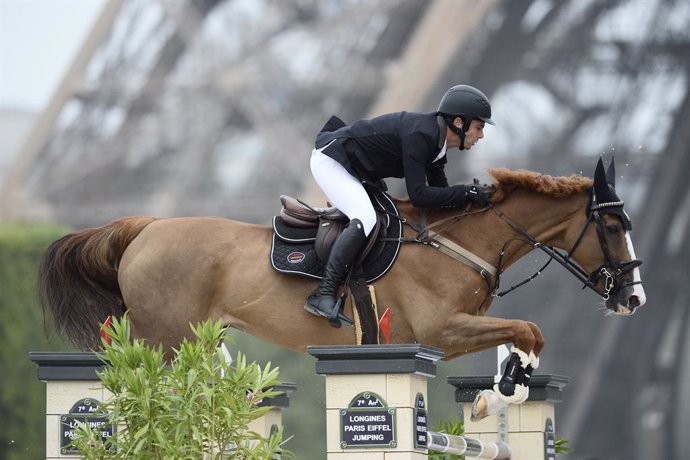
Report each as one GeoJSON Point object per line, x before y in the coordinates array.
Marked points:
{"type": "Point", "coordinates": [473, 134]}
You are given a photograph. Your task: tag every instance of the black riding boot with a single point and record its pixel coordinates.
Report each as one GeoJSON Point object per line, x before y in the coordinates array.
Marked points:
{"type": "Point", "coordinates": [343, 254]}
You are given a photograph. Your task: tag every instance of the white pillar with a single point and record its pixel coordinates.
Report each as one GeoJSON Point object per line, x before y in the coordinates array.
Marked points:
{"type": "Point", "coordinates": [528, 427]}
{"type": "Point", "coordinates": [376, 399]}
{"type": "Point", "coordinates": [73, 390]}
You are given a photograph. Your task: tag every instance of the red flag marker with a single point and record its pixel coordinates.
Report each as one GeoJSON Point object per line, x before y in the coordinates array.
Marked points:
{"type": "Point", "coordinates": [104, 334]}
{"type": "Point", "coordinates": [385, 325]}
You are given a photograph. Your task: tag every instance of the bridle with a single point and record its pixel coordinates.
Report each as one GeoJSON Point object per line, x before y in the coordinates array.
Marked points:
{"type": "Point", "coordinates": [611, 271]}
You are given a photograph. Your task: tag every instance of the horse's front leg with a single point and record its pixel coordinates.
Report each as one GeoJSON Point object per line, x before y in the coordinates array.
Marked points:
{"type": "Point", "coordinates": [478, 333]}
{"type": "Point", "coordinates": [464, 333]}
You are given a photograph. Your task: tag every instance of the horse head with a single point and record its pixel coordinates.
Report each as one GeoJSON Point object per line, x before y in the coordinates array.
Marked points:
{"type": "Point", "coordinates": [605, 246]}
{"type": "Point", "coordinates": [596, 246]}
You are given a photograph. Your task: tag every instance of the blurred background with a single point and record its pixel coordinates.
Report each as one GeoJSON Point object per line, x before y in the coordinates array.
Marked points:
{"type": "Point", "coordinates": [209, 107]}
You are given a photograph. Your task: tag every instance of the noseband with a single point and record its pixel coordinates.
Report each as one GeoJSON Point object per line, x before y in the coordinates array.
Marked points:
{"type": "Point", "coordinates": [611, 271]}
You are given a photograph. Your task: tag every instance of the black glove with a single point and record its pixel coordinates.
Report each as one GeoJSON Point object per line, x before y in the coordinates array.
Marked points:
{"type": "Point", "coordinates": [479, 194]}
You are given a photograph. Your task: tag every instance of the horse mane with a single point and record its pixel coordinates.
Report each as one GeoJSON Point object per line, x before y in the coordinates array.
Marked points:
{"type": "Point", "coordinates": [508, 180]}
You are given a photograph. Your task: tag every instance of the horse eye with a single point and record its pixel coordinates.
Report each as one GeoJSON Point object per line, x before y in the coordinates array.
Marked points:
{"type": "Point", "coordinates": [614, 228]}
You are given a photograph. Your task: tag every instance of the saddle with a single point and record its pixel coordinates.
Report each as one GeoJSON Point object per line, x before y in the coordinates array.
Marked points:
{"type": "Point", "coordinates": [303, 237]}
{"type": "Point", "coordinates": [328, 224]}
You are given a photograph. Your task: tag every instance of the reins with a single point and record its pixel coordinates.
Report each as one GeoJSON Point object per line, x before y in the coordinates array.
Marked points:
{"type": "Point", "coordinates": [610, 270]}
{"type": "Point", "coordinates": [563, 259]}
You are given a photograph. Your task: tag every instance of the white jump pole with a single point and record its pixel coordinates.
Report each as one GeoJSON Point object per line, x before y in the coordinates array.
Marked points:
{"type": "Point", "coordinates": [461, 445]}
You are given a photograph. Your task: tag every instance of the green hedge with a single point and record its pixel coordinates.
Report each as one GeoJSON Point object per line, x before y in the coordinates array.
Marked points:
{"type": "Point", "coordinates": [22, 396]}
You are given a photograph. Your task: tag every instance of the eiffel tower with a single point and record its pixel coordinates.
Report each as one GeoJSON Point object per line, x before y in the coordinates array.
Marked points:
{"type": "Point", "coordinates": [210, 107]}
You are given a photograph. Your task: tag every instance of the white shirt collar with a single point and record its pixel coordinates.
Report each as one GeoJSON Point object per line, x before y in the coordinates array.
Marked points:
{"type": "Point", "coordinates": [442, 153]}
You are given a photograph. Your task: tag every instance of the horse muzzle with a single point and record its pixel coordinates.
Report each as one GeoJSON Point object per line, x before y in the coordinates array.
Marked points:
{"type": "Point", "coordinates": [622, 287]}
{"type": "Point", "coordinates": [623, 291]}
{"type": "Point", "coordinates": [628, 301]}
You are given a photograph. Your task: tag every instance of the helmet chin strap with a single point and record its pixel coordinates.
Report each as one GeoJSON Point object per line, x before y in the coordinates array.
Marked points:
{"type": "Point", "coordinates": [459, 131]}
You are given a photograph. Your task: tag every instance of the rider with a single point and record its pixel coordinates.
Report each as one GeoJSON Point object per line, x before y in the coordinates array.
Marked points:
{"type": "Point", "coordinates": [402, 144]}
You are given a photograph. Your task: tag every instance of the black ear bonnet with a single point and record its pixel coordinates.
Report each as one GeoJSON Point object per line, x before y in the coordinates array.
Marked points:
{"type": "Point", "coordinates": [604, 198]}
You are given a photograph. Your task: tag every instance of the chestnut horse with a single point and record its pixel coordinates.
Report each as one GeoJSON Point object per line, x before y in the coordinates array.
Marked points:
{"type": "Point", "coordinates": [168, 273]}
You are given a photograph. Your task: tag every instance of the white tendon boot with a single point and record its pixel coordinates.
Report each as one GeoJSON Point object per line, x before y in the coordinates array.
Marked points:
{"type": "Point", "coordinates": [522, 389]}
{"type": "Point", "coordinates": [489, 402]}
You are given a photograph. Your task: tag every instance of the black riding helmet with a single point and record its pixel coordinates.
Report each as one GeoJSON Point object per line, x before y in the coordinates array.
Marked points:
{"type": "Point", "coordinates": [468, 103]}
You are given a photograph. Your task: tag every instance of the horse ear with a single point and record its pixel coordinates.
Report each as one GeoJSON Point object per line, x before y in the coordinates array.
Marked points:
{"type": "Point", "coordinates": [611, 174]}
{"type": "Point", "coordinates": [604, 197]}
{"type": "Point", "coordinates": [600, 183]}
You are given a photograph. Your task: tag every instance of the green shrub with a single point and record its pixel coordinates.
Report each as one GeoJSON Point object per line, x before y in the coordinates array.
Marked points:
{"type": "Point", "coordinates": [198, 406]}
{"type": "Point", "coordinates": [562, 446]}
{"type": "Point", "coordinates": [454, 427]}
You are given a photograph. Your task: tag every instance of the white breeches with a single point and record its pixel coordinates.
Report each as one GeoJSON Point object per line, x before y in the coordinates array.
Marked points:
{"type": "Point", "coordinates": [343, 190]}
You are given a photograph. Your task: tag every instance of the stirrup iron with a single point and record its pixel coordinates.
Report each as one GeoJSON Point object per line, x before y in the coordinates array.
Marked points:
{"type": "Point", "coordinates": [337, 318]}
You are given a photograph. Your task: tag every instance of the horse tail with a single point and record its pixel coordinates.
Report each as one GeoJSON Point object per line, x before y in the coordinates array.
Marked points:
{"type": "Point", "coordinates": [78, 279]}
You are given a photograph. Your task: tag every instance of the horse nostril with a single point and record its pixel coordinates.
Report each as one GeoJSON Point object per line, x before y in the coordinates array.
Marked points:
{"type": "Point", "coordinates": [633, 302]}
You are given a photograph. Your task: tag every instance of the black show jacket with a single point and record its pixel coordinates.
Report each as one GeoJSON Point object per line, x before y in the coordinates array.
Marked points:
{"type": "Point", "coordinates": [401, 144]}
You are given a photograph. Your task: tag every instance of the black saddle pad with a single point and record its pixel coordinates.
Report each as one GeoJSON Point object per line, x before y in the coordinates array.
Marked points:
{"type": "Point", "coordinates": [294, 253]}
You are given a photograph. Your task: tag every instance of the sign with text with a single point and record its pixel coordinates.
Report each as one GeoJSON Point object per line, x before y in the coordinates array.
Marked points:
{"type": "Point", "coordinates": [420, 422]}
{"type": "Point", "coordinates": [85, 411]}
{"type": "Point", "coordinates": [549, 441]}
{"type": "Point", "coordinates": [367, 422]}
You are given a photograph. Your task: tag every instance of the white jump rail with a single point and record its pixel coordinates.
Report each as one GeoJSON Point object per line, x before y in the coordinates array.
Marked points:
{"type": "Point", "coordinates": [469, 447]}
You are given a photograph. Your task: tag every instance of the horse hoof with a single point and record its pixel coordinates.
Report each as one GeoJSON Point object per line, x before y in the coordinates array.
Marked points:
{"type": "Point", "coordinates": [486, 403]}
{"type": "Point", "coordinates": [480, 407]}
{"type": "Point", "coordinates": [335, 323]}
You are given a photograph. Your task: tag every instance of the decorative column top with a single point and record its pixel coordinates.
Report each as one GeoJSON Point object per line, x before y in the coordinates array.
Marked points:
{"type": "Point", "coordinates": [66, 365]}
{"type": "Point", "coordinates": [376, 359]}
{"type": "Point", "coordinates": [547, 387]}
{"type": "Point", "coordinates": [82, 366]}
